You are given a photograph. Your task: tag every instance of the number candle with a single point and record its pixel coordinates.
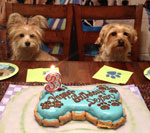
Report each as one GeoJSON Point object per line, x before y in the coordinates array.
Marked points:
{"type": "Point", "coordinates": [53, 79]}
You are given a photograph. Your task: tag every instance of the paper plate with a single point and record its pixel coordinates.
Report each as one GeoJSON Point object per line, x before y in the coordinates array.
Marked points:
{"type": "Point", "coordinates": [7, 70]}
{"type": "Point", "coordinates": [147, 73]}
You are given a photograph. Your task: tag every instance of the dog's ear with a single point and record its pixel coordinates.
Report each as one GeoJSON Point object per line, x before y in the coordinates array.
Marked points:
{"type": "Point", "coordinates": [99, 40]}
{"type": "Point", "coordinates": [102, 34]}
{"type": "Point", "coordinates": [15, 18]}
{"type": "Point", "coordinates": [39, 21]}
{"type": "Point", "coordinates": [133, 34]}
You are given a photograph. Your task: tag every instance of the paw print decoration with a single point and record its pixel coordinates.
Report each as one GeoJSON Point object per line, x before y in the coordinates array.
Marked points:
{"type": "Point", "coordinates": [113, 74]}
{"type": "Point", "coordinates": [53, 81]}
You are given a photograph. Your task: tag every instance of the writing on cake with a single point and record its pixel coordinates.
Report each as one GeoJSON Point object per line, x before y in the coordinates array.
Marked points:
{"type": "Point", "coordinates": [101, 106]}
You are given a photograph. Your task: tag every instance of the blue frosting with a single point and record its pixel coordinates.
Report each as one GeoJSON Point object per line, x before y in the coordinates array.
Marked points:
{"type": "Point", "coordinates": [102, 102]}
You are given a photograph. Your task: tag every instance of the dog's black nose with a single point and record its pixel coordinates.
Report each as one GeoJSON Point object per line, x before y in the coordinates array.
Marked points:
{"type": "Point", "coordinates": [27, 44]}
{"type": "Point", "coordinates": [120, 43]}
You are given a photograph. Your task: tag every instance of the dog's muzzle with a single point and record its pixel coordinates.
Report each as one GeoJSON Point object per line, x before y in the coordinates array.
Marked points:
{"type": "Point", "coordinates": [120, 43]}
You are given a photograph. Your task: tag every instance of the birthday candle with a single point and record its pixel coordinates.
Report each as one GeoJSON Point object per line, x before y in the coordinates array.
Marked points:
{"type": "Point", "coordinates": [53, 78]}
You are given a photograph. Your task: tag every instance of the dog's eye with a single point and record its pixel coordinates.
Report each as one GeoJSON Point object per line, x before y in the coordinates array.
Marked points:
{"type": "Point", "coordinates": [125, 33]}
{"type": "Point", "coordinates": [21, 35]}
{"type": "Point", "coordinates": [113, 33]}
{"type": "Point", "coordinates": [31, 35]}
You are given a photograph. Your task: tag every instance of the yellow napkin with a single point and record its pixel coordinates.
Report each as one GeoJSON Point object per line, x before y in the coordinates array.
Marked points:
{"type": "Point", "coordinates": [113, 75]}
{"type": "Point", "coordinates": [38, 74]}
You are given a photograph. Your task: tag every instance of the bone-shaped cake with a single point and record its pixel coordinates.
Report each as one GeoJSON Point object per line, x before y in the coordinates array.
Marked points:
{"type": "Point", "coordinates": [101, 106]}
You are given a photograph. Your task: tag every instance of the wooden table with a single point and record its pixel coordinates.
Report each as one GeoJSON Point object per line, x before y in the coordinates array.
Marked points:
{"type": "Point", "coordinates": [76, 72]}
{"type": "Point", "coordinates": [80, 73]}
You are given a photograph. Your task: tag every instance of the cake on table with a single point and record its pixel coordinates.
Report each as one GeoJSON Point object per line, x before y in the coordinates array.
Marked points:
{"type": "Point", "coordinates": [100, 105]}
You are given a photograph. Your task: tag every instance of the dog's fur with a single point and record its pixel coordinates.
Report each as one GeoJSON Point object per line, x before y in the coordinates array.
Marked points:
{"type": "Point", "coordinates": [25, 37]}
{"type": "Point", "coordinates": [115, 40]}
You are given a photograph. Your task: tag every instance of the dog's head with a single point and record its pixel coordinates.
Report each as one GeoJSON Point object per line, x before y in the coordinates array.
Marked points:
{"type": "Point", "coordinates": [26, 33]}
{"type": "Point", "coordinates": [114, 37]}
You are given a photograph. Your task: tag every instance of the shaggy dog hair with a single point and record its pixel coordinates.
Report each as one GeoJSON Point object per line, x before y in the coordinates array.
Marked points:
{"type": "Point", "coordinates": [115, 40]}
{"type": "Point", "coordinates": [25, 37]}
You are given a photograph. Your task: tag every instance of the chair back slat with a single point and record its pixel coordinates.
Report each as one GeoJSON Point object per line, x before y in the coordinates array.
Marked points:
{"type": "Point", "coordinates": [111, 12]}
{"type": "Point", "coordinates": [53, 11]}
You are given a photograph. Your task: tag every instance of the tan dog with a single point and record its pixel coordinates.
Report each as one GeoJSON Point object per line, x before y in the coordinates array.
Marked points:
{"type": "Point", "coordinates": [25, 37]}
{"type": "Point", "coordinates": [115, 41]}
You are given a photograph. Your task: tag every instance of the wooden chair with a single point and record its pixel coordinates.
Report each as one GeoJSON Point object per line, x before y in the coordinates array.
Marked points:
{"type": "Point", "coordinates": [105, 13]}
{"type": "Point", "coordinates": [48, 11]}
{"type": "Point", "coordinates": [3, 52]}
{"type": "Point", "coordinates": [3, 44]}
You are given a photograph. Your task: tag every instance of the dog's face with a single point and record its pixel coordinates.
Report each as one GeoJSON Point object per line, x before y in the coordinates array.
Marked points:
{"type": "Point", "coordinates": [25, 33]}
{"type": "Point", "coordinates": [25, 37]}
{"type": "Point", "coordinates": [116, 37]}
